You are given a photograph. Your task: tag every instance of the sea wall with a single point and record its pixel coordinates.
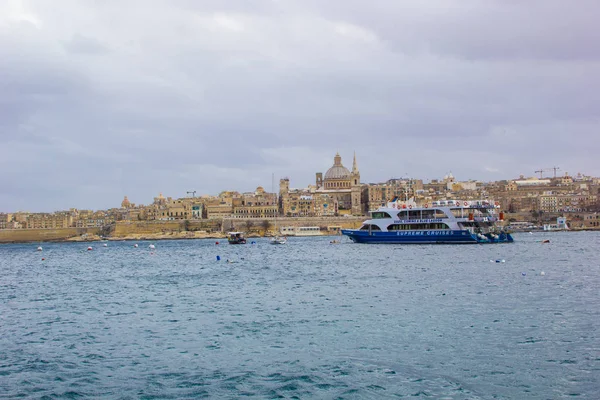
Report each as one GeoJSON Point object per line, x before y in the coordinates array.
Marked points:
{"type": "Point", "coordinates": [325, 223]}
{"type": "Point", "coordinates": [127, 228]}
{"type": "Point", "coordinates": [176, 229]}
{"type": "Point", "coordinates": [44, 235]}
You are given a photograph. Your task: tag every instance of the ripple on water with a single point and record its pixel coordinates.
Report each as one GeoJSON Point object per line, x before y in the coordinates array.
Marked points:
{"type": "Point", "coordinates": [307, 320]}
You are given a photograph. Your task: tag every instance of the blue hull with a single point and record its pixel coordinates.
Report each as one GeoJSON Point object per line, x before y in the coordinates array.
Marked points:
{"type": "Point", "coordinates": [423, 237]}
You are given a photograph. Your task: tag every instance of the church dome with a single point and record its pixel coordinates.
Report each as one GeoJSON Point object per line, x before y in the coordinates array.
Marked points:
{"type": "Point", "coordinates": [125, 203]}
{"type": "Point", "coordinates": [337, 171]}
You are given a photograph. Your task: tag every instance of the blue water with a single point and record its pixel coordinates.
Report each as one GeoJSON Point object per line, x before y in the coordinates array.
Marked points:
{"type": "Point", "coordinates": [304, 320]}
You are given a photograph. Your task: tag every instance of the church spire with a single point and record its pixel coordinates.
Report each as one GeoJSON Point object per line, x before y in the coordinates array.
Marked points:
{"type": "Point", "coordinates": [354, 166]}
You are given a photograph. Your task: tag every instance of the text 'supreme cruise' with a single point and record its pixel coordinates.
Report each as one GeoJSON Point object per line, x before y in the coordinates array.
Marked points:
{"type": "Point", "coordinates": [448, 222]}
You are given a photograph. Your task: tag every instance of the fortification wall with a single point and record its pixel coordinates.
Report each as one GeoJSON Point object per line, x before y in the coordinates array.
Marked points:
{"type": "Point", "coordinates": [43, 235]}
{"type": "Point", "coordinates": [325, 223]}
{"type": "Point", "coordinates": [125, 228]}
{"type": "Point", "coordinates": [131, 229]}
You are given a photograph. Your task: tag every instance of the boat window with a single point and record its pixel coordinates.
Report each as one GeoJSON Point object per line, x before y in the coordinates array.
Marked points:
{"type": "Point", "coordinates": [403, 214]}
{"type": "Point", "coordinates": [380, 215]}
{"type": "Point", "coordinates": [414, 215]}
{"type": "Point", "coordinates": [428, 214]}
{"type": "Point", "coordinates": [457, 212]}
{"type": "Point", "coordinates": [372, 227]}
{"type": "Point", "coordinates": [413, 227]}
{"type": "Point", "coordinates": [440, 214]}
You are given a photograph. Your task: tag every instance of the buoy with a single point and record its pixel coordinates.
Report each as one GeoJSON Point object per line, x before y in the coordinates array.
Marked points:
{"type": "Point", "coordinates": [253, 242]}
{"type": "Point", "coordinates": [39, 248]}
{"type": "Point", "coordinates": [151, 247]}
{"type": "Point", "coordinates": [135, 245]}
{"type": "Point", "coordinates": [43, 259]}
{"type": "Point", "coordinates": [89, 248]}
{"type": "Point", "coordinates": [105, 245]}
{"type": "Point", "coordinates": [216, 242]}
{"type": "Point", "coordinates": [218, 258]}
{"type": "Point", "coordinates": [523, 273]}
{"type": "Point", "coordinates": [542, 273]}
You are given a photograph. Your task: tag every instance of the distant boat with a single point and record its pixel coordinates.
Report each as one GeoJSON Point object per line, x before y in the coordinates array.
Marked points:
{"type": "Point", "coordinates": [301, 230]}
{"type": "Point", "coordinates": [278, 240]}
{"type": "Point", "coordinates": [236, 238]}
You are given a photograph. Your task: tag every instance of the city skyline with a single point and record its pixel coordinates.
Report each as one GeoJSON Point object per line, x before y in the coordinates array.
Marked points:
{"type": "Point", "coordinates": [106, 99]}
{"type": "Point", "coordinates": [544, 174]}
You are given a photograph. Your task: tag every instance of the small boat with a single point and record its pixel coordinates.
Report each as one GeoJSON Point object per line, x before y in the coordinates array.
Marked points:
{"type": "Point", "coordinates": [278, 240]}
{"type": "Point", "coordinates": [236, 238]}
{"type": "Point", "coordinates": [447, 222]}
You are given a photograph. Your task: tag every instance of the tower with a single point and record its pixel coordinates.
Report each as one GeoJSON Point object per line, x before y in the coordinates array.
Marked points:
{"type": "Point", "coordinates": [319, 179]}
{"type": "Point", "coordinates": [355, 188]}
{"type": "Point", "coordinates": [284, 186]}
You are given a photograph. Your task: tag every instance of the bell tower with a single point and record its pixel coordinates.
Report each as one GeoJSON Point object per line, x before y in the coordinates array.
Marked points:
{"type": "Point", "coordinates": [355, 188]}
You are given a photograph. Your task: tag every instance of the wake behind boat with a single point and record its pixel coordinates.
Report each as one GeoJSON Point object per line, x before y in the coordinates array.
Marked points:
{"type": "Point", "coordinates": [447, 221]}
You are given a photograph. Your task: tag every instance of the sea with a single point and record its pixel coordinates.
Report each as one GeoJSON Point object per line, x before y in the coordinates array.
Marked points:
{"type": "Point", "coordinates": [309, 319]}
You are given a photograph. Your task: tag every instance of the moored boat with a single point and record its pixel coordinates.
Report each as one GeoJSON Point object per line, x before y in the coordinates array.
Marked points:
{"type": "Point", "coordinates": [236, 238]}
{"type": "Point", "coordinates": [444, 222]}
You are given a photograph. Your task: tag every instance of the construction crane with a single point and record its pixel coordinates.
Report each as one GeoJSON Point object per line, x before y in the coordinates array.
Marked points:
{"type": "Point", "coordinates": [193, 193]}
{"type": "Point", "coordinates": [542, 170]}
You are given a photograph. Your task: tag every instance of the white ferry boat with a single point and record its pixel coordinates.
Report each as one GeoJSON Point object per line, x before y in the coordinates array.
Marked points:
{"type": "Point", "coordinates": [447, 221]}
{"type": "Point", "coordinates": [301, 231]}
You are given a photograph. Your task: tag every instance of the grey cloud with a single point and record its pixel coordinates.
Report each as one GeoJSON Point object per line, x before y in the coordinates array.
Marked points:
{"type": "Point", "coordinates": [80, 44]}
{"type": "Point", "coordinates": [138, 98]}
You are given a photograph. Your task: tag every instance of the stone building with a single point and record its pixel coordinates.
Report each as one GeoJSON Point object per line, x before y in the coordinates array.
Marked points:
{"type": "Point", "coordinates": [338, 192]}
{"type": "Point", "coordinates": [49, 220]}
{"type": "Point", "coordinates": [375, 195]}
{"type": "Point", "coordinates": [5, 220]}
{"type": "Point", "coordinates": [258, 204]}
{"type": "Point", "coordinates": [221, 206]}
{"type": "Point", "coordinates": [342, 186]}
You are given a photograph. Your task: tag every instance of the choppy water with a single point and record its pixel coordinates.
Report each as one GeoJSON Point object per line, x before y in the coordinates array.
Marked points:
{"type": "Point", "coordinates": [304, 320]}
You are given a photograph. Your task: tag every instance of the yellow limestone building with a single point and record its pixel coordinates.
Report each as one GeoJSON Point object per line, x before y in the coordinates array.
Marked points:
{"type": "Point", "coordinates": [338, 192]}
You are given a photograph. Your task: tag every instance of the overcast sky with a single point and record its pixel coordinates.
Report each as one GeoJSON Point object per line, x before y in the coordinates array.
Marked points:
{"type": "Point", "coordinates": [101, 99]}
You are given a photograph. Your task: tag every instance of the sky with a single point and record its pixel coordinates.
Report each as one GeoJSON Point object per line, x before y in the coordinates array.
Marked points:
{"type": "Point", "coordinates": [102, 99]}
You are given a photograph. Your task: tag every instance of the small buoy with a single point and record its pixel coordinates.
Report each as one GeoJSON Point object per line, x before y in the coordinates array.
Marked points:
{"type": "Point", "coordinates": [531, 233]}
{"type": "Point", "coordinates": [39, 248]}
{"type": "Point", "coordinates": [218, 258]}
{"type": "Point", "coordinates": [89, 248]}
{"type": "Point", "coordinates": [135, 245]}
{"type": "Point", "coordinates": [523, 273]}
{"type": "Point", "coordinates": [542, 273]}
{"type": "Point", "coordinates": [105, 245]}
{"type": "Point", "coordinates": [253, 242]}
{"type": "Point", "coordinates": [216, 242]}
{"type": "Point", "coordinates": [151, 247]}
{"type": "Point", "coordinates": [43, 259]}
